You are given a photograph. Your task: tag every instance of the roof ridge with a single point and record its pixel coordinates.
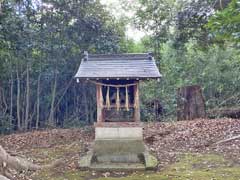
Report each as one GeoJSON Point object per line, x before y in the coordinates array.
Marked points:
{"type": "Point", "coordinates": [122, 56]}
{"type": "Point", "coordinates": [118, 53]}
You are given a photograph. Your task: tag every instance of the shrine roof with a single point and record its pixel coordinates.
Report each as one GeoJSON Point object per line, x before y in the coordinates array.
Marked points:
{"type": "Point", "coordinates": [122, 66]}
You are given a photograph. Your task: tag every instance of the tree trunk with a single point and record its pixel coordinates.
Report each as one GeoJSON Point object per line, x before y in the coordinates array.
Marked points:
{"type": "Point", "coordinates": [228, 112]}
{"type": "Point", "coordinates": [19, 164]}
{"type": "Point", "coordinates": [38, 101]}
{"type": "Point", "coordinates": [3, 101]}
{"type": "Point", "coordinates": [18, 102]}
{"type": "Point", "coordinates": [190, 103]}
{"type": "Point", "coordinates": [3, 178]}
{"type": "Point", "coordinates": [11, 99]}
{"type": "Point", "coordinates": [85, 103]}
{"type": "Point", "coordinates": [228, 139]}
{"type": "Point", "coordinates": [76, 104]}
{"type": "Point", "coordinates": [91, 105]}
{"type": "Point", "coordinates": [16, 163]}
{"type": "Point", "coordinates": [51, 120]}
{"type": "Point", "coordinates": [91, 115]}
{"type": "Point", "coordinates": [1, 104]}
{"type": "Point", "coordinates": [27, 100]}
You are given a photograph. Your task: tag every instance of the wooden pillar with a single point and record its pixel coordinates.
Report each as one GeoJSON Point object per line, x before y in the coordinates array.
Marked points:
{"type": "Point", "coordinates": [136, 103]}
{"type": "Point", "coordinates": [99, 103]}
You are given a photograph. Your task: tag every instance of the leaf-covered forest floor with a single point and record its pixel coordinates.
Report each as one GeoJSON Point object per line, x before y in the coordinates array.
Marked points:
{"type": "Point", "coordinates": [185, 150]}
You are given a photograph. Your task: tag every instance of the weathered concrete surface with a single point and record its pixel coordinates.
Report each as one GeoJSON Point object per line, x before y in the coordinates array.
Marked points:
{"type": "Point", "coordinates": [118, 166]}
{"type": "Point", "coordinates": [85, 161]}
{"type": "Point", "coordinates": [114, 146]}
{"type": "Point", "coordinates": [118, 158]}
{"type": "Point", "coordinates": [118, 148]}
{"type": "Point", "coordinates": [118, 133]}
{"type": "Point", "coordinates": [150, 161]}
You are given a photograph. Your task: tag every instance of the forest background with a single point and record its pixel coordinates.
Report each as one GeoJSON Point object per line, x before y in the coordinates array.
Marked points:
{"type": "Point", "coordinates": [42, 43]}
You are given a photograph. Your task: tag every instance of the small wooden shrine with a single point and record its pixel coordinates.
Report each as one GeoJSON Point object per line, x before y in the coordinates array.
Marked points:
{"type": "Point", "coordinates": [118, 130]}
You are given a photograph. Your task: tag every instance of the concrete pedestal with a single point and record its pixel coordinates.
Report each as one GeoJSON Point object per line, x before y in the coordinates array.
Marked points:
{"type": "Point", "coordinates": [118, 147]}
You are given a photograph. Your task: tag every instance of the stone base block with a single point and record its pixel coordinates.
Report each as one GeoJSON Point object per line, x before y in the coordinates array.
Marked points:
{"type": "Point", "coordinates": [150, 161]}
{"type": "Point", "coordinates": [118, 158]}
{"type": "Point", "coordinates": [118, 133]}
{"type": "Point", "coordinates": [86, 161]}
{"type": "Point", "coordinates": [118, 148]}
{"type": "Point", "coordinates": [118, 167]}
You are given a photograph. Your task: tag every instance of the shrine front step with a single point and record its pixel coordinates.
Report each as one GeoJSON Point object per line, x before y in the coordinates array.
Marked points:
{"type": "Point", "coordinates": [118, 166]}
{"type": "Point", "coordinates": [119, 158]}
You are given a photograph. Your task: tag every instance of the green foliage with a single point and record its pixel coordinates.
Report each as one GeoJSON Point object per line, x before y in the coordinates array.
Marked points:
{"type": "Point", "coordinates": [225, 24]}
{"type": "Point", "coordinates": [190, 20]}
{"type": "Point", "coordinates": [185, 53]}
{"type": "Point", "coordinates": [49, 37]}
{"type": "Point", "coordinates": [217, 70]}
{"type": "Point", "coordinates": [130, 46]}
{"type": "Point", "coordinates": [74, 123]}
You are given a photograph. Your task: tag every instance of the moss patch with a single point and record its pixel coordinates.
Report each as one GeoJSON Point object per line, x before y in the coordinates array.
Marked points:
{"type": "Point", "coordinates": [47, 155]}
{"type": "Point", "coordinates": [67, 175]}
{"type": "Point", "coordinates": [150, 162]}
{"type": "Point", "coordinates": [192, 167]}
{"type": "Point", "coordinates": [188, 166]}
{"type": "Point", "coordinates": [203, 167]}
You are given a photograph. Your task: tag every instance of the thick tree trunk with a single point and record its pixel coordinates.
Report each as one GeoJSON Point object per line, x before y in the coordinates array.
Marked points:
{"type": "Point", "coordinates": [190, 103]}
{"type": "Point", "coordinates": [13, 162]}
{"type": "Point", "coordinates": [3, 178]}
{"type": "Point", "coordinates": [225, 112]}
{"type": "Point", "coordinates": [16, 163]}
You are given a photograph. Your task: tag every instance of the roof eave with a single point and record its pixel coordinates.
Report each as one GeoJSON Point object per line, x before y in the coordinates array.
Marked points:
{"type": "Point", "coordinates": [118, 78]}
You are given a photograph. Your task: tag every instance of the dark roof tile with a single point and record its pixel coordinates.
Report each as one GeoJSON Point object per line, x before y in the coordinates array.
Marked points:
{"type": "Point", "coordinates": [118, 66]}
